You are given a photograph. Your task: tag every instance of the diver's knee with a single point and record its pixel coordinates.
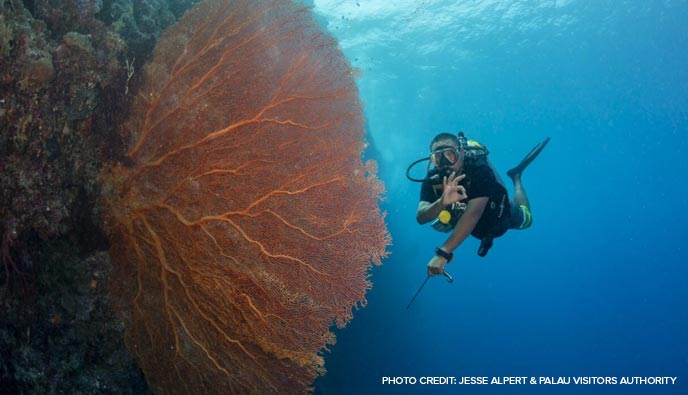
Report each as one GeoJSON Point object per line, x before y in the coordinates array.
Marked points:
{"type": "Point", "coordinates": [527, 217]}
{"type": "Point", "coordinates": [522, 217]}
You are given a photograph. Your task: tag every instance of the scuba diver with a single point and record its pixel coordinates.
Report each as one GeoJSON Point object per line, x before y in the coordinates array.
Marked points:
{"type": "Point", "coordinates": [463, 194]}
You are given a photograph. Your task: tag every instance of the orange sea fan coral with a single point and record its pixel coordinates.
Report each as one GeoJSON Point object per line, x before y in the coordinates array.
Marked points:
{"type": "Point", "coordinates": [243, 223]}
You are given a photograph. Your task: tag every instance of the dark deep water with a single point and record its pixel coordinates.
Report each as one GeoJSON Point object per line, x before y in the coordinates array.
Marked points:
{"type": "Point", "coordinates": [597, 286]}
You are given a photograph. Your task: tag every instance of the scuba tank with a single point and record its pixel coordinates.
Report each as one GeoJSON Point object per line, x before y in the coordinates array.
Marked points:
{"type": "Point", "coordinates": [476, 153]}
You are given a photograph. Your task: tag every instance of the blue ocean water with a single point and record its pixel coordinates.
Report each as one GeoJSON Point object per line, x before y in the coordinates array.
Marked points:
{"type": "Point", "coordinates": [597, 286]}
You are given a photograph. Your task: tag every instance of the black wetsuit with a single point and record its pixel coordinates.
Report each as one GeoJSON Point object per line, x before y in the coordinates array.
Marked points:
{"type": "Point", "coordinates": [480, 181]}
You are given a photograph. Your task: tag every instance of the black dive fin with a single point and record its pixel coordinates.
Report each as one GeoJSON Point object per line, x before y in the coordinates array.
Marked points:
{"type": "Point", "coordinates": [516, 171]}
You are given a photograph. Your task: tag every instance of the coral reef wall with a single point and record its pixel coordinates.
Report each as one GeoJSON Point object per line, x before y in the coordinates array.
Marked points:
{"type": "Point", "coordinates": [281, 215]}
{"type": "Point", "coordinates": [242, 223]}
{"type": "Point", "coordinates": [66, 80]}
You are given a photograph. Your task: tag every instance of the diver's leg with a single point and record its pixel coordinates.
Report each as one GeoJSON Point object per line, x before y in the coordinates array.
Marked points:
{"type": "Point", "coordinates": [521, 218]}
{"type": "Point", "coordinates": [520, 197]}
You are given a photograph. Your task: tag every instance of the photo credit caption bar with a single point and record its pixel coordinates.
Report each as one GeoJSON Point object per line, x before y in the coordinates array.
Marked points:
{"type": "Point", "coordinates": [529, 380]}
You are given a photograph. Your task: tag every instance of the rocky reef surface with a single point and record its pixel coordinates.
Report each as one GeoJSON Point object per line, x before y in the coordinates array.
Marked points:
{"type": "Point", "coordinates": [68, 71]}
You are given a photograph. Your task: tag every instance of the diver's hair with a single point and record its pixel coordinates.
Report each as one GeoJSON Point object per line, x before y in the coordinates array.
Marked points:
{"type": "Point", "coordinates": [445, 136]}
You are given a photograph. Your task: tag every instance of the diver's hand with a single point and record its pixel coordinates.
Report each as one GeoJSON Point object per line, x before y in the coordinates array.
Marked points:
{"type": "Point", "coordinates": [453, 192]}
{"type": "Point", "coordinates": [436, 265]}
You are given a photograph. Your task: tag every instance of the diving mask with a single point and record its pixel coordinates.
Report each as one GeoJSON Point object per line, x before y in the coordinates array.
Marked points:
{"type": "Point", "coordinates": [444, 156]}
